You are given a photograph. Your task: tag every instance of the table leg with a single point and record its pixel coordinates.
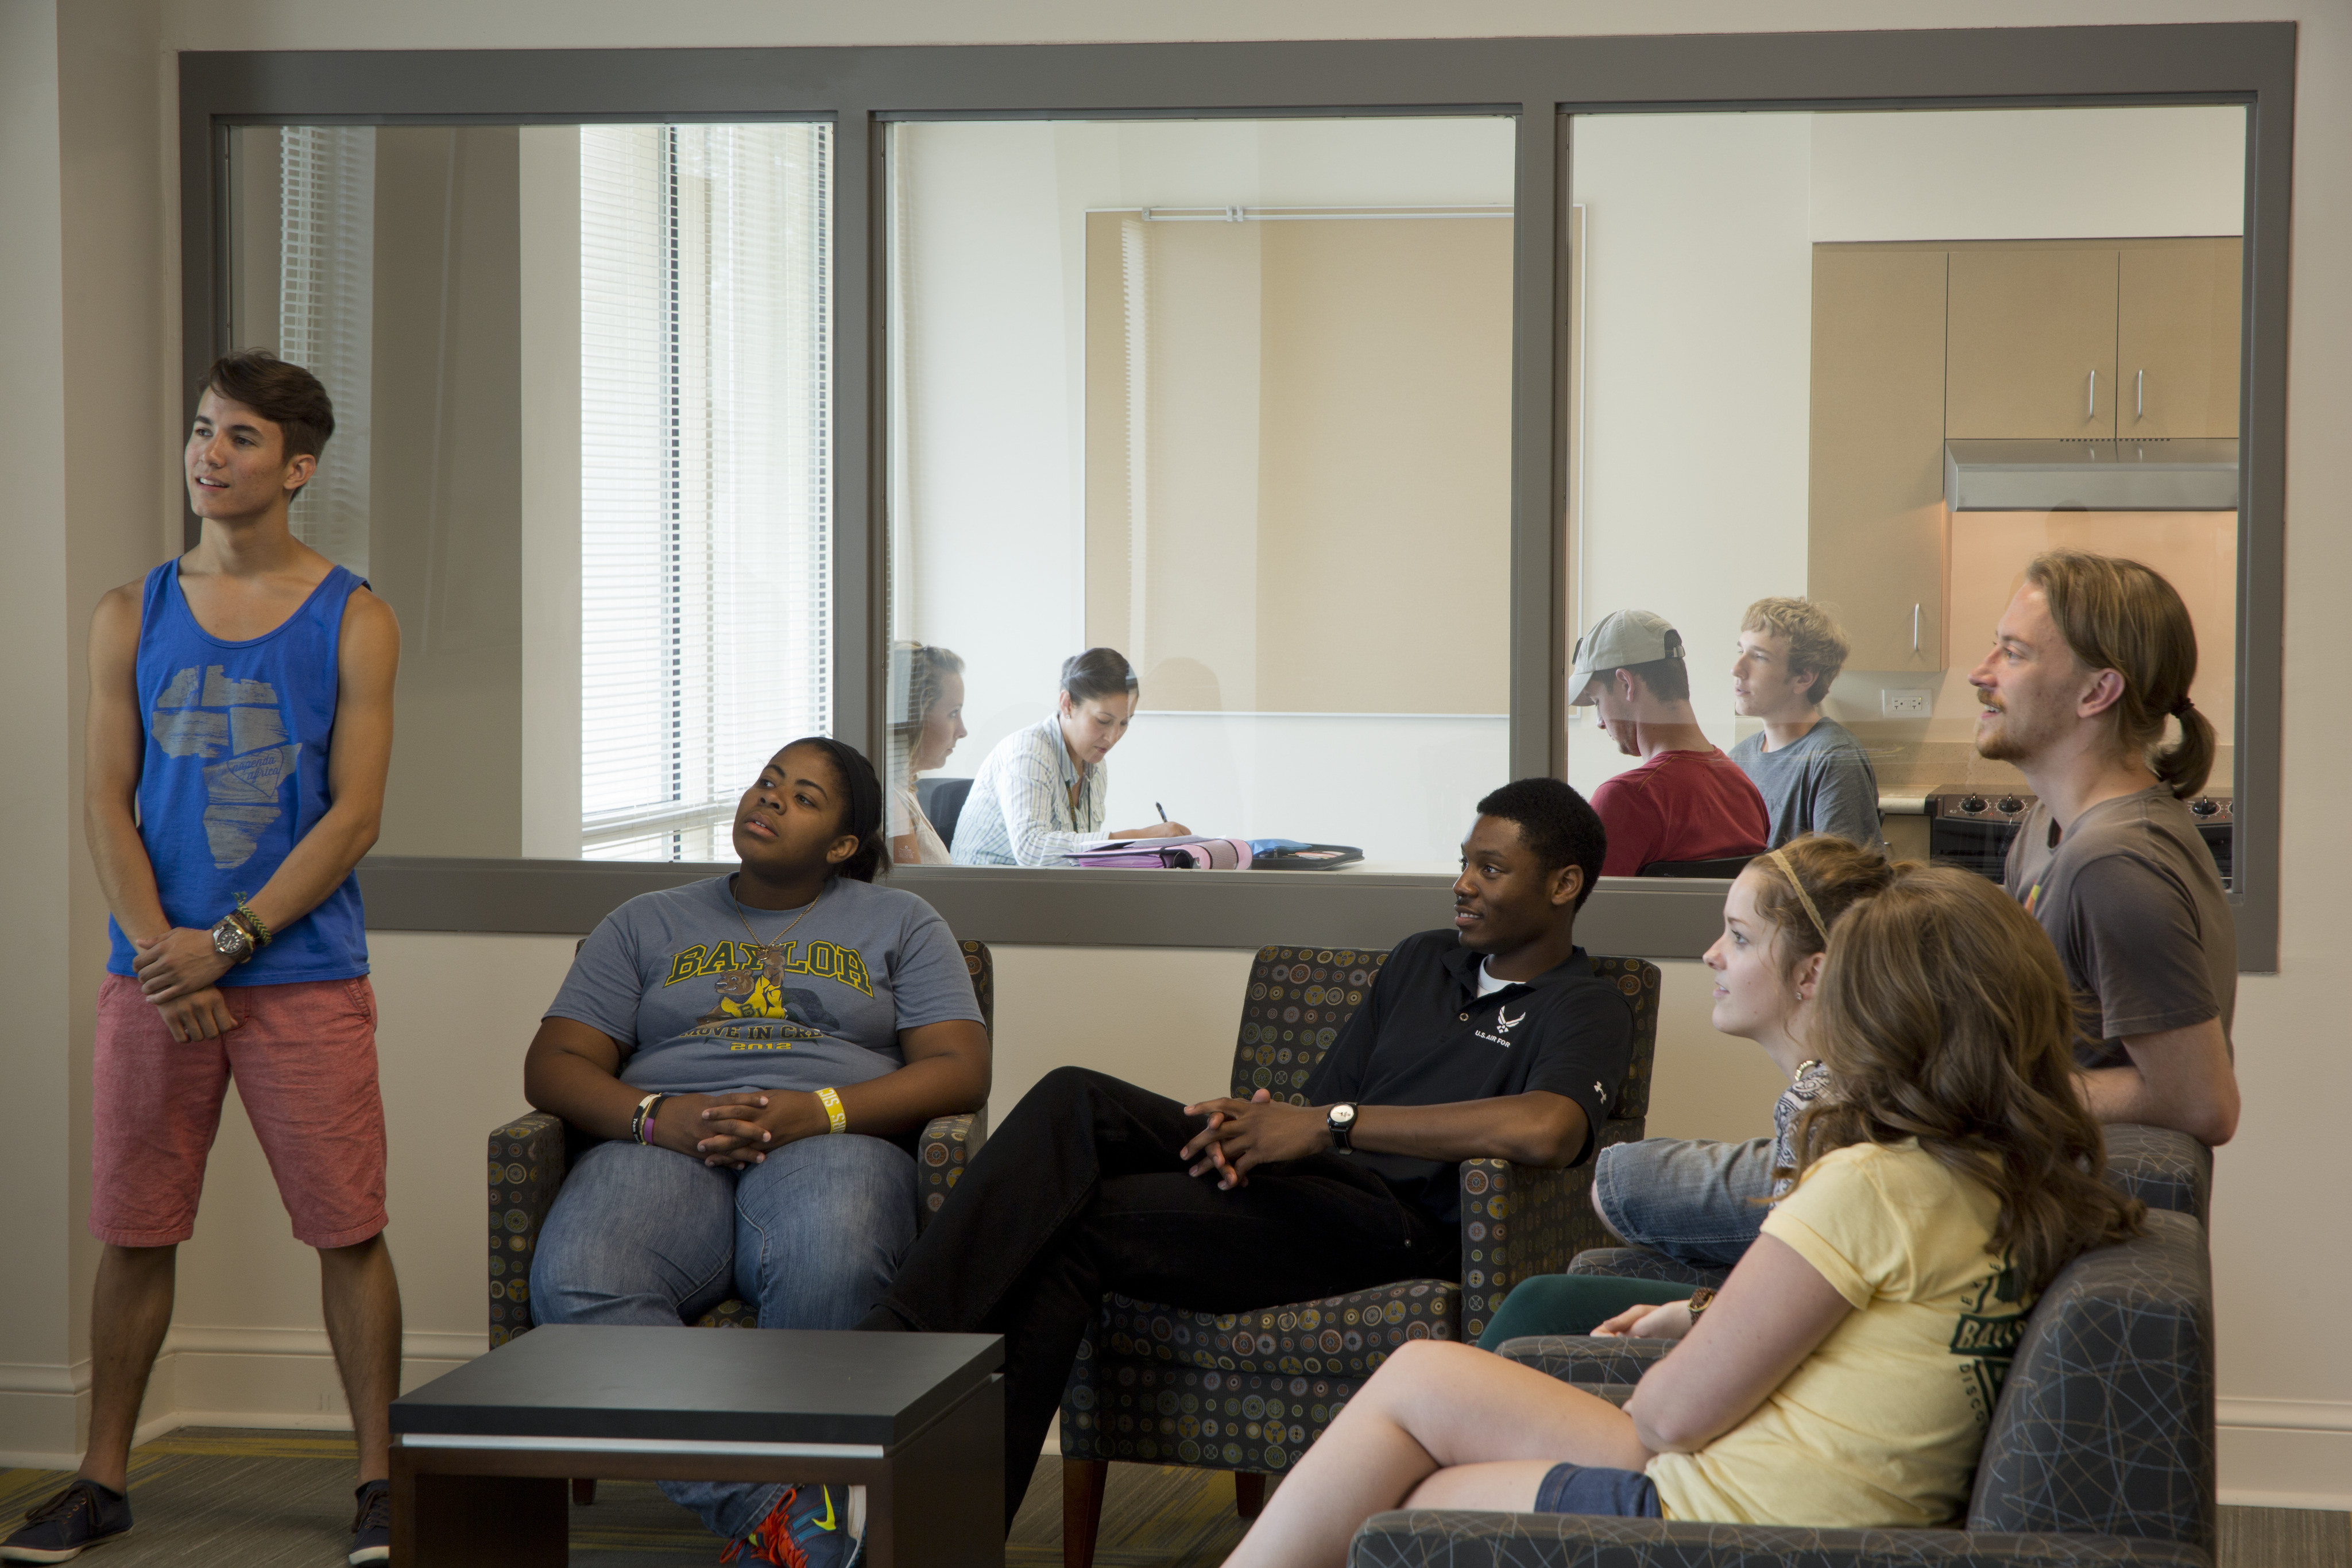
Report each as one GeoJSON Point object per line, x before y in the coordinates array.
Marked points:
{"type": "Point", "coordinates": [942, 1504]}
{"type": "Point", "coordinates": [475, 1521]}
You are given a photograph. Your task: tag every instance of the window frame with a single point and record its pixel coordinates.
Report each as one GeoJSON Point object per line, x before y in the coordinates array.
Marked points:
{"type": "Point", "coordinates": [1539, 81]}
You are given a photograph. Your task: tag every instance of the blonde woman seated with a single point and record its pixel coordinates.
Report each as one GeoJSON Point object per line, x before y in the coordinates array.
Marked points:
{"type": "Point", "coordinates": [926, 721]}
{"type": "Point", "coordinates": [1946, 1181]}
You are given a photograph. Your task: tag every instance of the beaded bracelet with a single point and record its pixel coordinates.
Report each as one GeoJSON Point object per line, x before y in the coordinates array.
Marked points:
{"type": "Point", "coordinates": [832, 1110]}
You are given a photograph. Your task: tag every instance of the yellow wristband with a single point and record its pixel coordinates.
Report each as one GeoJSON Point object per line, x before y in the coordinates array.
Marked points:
{"type": "Point", "coordinates": [833, 1110]}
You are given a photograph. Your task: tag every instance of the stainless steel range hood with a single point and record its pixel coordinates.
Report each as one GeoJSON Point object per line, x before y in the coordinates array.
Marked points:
{"type": "Point", "coordinates": [2183, 476]}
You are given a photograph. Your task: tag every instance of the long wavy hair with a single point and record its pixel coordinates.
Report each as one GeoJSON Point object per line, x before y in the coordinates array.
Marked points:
{"type": "Point", "coordinates": [1945, 1017]}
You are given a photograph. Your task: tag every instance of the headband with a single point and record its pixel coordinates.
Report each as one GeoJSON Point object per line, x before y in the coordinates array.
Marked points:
{"type": "Point", "coordinates": [1782, 860]}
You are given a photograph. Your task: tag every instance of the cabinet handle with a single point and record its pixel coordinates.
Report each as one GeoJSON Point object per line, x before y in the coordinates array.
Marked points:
{"type": "Point", "coordinates": [2091, 399]}
{"type": "Point", "coordinates": [2139, 395]}
{"type": "Point", "coordinates": [1914, 631]}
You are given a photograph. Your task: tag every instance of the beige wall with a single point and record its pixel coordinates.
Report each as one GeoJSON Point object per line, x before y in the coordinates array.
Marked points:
{"type": "Point", "coordinates": [88, 173]}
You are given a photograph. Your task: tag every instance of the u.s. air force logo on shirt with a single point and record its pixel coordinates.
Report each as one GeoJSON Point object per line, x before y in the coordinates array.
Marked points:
{"type": "Point", "coordinates": [756, 1006]}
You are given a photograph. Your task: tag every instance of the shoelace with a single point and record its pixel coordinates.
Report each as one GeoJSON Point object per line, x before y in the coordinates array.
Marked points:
{"type": "Point", "coordinates": [773, 1537]}
{"type": "Point", "coordinates": [374, 1511]}
{"type": "Point", "coordinates": [62, 1506]}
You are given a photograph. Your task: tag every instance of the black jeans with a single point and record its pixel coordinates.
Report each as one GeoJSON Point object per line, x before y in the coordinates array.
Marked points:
{"type": "Point", "coordinates": [1082, 1192]}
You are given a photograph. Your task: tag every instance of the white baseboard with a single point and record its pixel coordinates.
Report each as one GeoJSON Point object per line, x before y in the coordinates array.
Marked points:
{"type": "Point", "coordinates": [2286, 1453]}
{"type": "Point", "coordinates": [281, 1379]}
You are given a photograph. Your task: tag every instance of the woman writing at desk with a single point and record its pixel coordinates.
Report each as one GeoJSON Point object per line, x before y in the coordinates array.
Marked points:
{"type": "Point", "coordinates": [1039, 796]}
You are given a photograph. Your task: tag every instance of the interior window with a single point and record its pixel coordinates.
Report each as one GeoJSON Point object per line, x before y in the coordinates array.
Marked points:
{"type": "Point", "coordinates": [1882, 359]}
{"type": "Point", "coordinates": [582, 381]}
{"type": "Point", "coordinates": [1231, 399]}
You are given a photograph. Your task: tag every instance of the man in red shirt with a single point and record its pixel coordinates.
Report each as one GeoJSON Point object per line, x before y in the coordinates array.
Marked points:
{"type": "Point", "coordinates": [1686, 801]}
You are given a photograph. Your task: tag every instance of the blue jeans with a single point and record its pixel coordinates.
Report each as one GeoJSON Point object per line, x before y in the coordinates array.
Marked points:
{"type": "Point", "coordinates": [642, 1235]}
{"type": "Point", "coordinates": [1699, 1202]}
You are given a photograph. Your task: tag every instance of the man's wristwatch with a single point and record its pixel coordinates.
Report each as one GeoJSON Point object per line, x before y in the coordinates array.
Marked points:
{"type": "Point", "coordinates": [231, 940]}
{"type": "Point", "coordinates": [1342, 1123]}
{"type": "Point", "coordinates": [1701, 1299]}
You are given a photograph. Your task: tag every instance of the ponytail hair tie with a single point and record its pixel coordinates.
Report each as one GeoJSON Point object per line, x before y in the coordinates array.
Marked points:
{"type": "Point", "coordinates": [2180, 709]}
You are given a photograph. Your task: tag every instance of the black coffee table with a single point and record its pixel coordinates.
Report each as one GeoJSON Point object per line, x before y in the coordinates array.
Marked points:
{"type": "Point", "coordinates": [481, 1458]}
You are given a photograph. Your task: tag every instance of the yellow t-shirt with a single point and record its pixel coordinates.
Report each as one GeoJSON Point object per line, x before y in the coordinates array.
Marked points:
{"type": "Point", "coordinates": [1882, 1424]}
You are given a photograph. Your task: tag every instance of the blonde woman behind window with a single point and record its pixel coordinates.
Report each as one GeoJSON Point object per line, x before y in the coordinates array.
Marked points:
{"type": "Point", "coordinates": [926, 721]}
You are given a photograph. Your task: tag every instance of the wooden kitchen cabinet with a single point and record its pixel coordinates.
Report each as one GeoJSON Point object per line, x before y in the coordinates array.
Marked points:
{"type": "Point", "coordinates": [2176, 323]}
{"type": "Point", "coordinates": [2031, 327]}
{"type": "Point", "coordinates": [1875, 551]}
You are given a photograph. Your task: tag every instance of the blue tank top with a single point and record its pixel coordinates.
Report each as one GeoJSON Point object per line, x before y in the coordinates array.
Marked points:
{"type": "Point", "coordinates": [236, 773]}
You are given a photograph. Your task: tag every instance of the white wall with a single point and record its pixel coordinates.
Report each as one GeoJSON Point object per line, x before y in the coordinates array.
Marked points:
{"type": "Point", "coordinates": [2280, 1235]}
{"type": "Point", "coordinates": [2046, 174]}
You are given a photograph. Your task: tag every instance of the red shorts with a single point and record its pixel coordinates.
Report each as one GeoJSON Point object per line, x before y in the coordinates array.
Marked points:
{"type": "Point", "coordinates": [303, 1056]}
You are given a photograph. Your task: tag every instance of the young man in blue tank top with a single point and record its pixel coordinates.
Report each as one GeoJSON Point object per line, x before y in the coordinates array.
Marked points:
{"type": "Point", "coordinates": [240, 727]}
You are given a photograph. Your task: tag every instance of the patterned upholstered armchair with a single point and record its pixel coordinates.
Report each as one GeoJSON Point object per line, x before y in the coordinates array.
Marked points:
{"type": "Point", "coordinates": [1247, 1392]}
{"type": "Point", "coordinates": [2164, 1169]}
{"type": "Point", "coordinates": [2101, 1449]}
{"type": "Point", "coordinates": [530, 1156]}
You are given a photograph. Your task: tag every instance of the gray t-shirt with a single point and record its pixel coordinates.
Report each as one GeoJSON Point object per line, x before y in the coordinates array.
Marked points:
{"type": "Point", "coordinates": [699, 1008]}
{"type": "Point", "coordinates": [2133, 903]}
{"type": "Point", "coordinates": [1820, 783]}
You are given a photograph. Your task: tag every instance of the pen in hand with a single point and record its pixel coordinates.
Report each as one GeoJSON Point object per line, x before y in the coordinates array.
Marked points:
{"type": "Point", "coordinates": [1161, 809]}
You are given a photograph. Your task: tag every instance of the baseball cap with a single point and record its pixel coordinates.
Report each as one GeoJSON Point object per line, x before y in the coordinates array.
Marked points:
{"type": "Point", "coordinates": [1620, 638]}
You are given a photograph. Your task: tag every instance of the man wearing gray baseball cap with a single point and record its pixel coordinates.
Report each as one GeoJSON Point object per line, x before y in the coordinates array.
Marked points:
{"type": "Point", "coordinates": [1686, 800]}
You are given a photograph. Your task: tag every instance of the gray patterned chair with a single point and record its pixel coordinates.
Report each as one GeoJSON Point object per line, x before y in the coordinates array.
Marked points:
{"type": "Point", "coordinates": [2101, 1449]}
{"type": "Point", "coordinates": [2164, 1169]}
{"type": "Point", "coordinates": [530, 1156]}
{"type": "Point", "coordinates": [1247, 1392]}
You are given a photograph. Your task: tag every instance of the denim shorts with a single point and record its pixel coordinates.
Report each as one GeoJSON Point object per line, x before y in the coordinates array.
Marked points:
{"type": "Point", "coordinates": [1699, 1202]}
{"type": "Point", "coordinates": [1597, 1490]}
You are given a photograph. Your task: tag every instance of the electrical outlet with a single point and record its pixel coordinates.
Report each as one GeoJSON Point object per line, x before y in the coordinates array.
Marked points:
{"type": "Point", "coordinates": [1906, 702]}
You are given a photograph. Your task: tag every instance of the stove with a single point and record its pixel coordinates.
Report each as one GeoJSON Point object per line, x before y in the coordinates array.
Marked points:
{"type": "Point", "coordinates": [1971, 827]}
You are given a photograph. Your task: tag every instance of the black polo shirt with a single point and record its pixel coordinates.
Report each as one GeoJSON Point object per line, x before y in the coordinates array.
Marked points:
{"type": "Point", "coordinates": [1426, 1037]}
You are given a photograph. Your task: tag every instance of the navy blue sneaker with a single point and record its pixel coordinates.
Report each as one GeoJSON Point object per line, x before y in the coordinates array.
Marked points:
{"type": "Point", "coordinates": [82, 1515]}
{"type": "Point", "coordinates": [808, 1528]}
{"type": "Point", "coordinates": [372, 1524]}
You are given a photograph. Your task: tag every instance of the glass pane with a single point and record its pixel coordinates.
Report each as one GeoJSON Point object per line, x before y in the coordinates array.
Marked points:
{"type": "Point", "coordinates": [1795, 332]}
{"type": "Point", "coordinates": [1215, 396]}
{"type": "Point", "coordinates": [581, 386]}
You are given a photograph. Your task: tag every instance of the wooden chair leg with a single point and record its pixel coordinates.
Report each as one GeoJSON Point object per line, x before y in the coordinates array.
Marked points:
{"type": "Point", "coordinates": [1249, 1494]}
{"type": "Point", "coordinates": [584, 1490]}
{"type": "Point", "coordinates": [1082, 1499]}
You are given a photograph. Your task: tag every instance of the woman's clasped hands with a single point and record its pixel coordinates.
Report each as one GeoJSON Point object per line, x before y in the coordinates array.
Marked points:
{"type": "Point", "coordinates": [736, 1130]}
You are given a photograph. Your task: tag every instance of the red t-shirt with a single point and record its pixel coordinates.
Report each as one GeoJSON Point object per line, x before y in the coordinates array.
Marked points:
{"type": "Point", "coordinates": [1680, 806]}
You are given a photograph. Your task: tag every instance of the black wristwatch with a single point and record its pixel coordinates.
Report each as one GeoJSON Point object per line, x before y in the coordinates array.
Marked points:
{"type": "Point", "coordinates": [1342, 1123]}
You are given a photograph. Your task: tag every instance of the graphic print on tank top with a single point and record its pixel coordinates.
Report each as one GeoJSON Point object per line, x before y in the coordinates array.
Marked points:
{"type": "Point", "coordinates": [234, 728]}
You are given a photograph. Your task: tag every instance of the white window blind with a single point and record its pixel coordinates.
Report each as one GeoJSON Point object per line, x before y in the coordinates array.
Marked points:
{"type": "Point", "coordinates": [326, 317]}
{"type": "Point", "coordinates": [706, 569]}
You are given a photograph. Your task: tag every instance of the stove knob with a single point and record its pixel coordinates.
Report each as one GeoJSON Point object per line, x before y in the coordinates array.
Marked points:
{"type": "Point", "coordinates": [2010, 804]}
{"type": "Point", "coordinates": [1972, 804]}
{"type": "Point", "coordinates": [2206, 808]}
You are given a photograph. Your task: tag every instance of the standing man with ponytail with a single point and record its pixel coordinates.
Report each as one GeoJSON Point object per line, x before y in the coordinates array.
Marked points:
{"type": "Point", "coordinates": [2091, 657]}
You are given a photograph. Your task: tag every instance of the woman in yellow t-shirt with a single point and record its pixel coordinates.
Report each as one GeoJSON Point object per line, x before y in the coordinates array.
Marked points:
{"type": "Point", "coordinates": [1845, 1374]}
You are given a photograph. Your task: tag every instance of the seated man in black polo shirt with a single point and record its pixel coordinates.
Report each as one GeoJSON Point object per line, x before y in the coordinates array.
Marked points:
{"type": "Point", "coordinates": [1495, 1039]}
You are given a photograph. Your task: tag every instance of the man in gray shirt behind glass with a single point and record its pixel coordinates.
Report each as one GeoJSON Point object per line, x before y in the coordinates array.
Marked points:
{"type": "Point", "coordinates": [1813, 775]}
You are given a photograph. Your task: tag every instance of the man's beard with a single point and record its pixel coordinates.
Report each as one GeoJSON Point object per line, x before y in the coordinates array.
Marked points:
{"type": "Point", "coordinates": [2004, 744]}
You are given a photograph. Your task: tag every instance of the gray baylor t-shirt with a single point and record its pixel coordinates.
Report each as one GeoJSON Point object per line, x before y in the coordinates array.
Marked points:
{"type": "Point", "coordinates": [699, 1008]}
{"type": "Point", "coordinates": [1821, 782]}
{"type": "Point", "coordinates": [2134, 905]}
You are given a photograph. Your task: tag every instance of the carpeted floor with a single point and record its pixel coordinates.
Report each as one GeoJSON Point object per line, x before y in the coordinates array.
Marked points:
{"type": "Point", "coordinates": [215, 1498]}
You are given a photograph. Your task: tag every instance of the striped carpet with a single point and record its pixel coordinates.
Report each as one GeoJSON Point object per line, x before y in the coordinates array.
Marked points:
{"type": "Point", "coordinates": [207, 1496]}
{"type": "Point", "coordinates": [214, 1499]}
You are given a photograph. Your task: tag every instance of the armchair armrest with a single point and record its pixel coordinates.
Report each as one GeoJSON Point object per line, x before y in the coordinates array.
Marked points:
{"type": "Point", "coordinates": [527, 1165]}
{"type": "Point", "coordinates": [1641, 1263]}
{"type": "Point", "coordinates": [1417, 1537]}
{"type": "Point", "coordinates": [1518, 1220]}
{"type": "Point", "coordinates": [1585, 1360]}
{"type": "Point", "coordinates": [946, 1144]}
